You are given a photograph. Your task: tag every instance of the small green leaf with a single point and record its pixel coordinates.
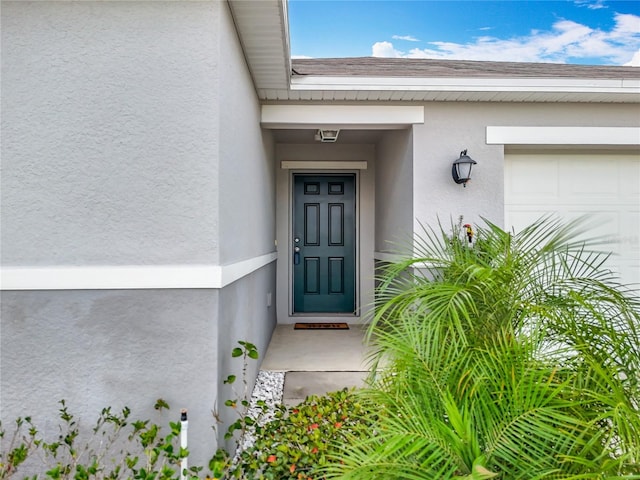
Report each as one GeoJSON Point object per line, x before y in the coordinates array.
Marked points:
{"type": "Point", "coordinates": [160, 404]}
{"type": "Point", "coordinates": [236, 352]}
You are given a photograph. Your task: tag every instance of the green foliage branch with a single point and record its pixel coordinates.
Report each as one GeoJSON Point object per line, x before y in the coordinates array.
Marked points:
{"type": "Point", "coordinates": [518, 358]}
{"type": "Point", "coordinates": [118, 448]}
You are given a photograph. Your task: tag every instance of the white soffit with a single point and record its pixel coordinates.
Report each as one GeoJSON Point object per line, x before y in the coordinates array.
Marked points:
{"type": "Point", "coordinates": [263, 29]}
{"type": "Point", "coordinates": [341, 116]}
{"type": "Point", "coordinates": [468, 84]}
{"type": "Point", "coordinates": [530, 89]}
{"type": "Point", "coordinates": [563, 135]}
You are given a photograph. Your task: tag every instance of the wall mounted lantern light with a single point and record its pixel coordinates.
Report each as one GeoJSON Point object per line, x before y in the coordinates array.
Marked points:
{"type": "Point", "coordinates": [461, 169]}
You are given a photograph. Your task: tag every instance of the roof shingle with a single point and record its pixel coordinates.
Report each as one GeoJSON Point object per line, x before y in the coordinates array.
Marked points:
{"type": "Point", "coordinates": [428, 68]}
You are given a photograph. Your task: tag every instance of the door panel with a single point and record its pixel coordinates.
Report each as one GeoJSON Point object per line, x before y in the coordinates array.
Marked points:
{"type": "Point", "coordinates": [324, 244]}
{"type": "Point", "coordinates": [336, 225]}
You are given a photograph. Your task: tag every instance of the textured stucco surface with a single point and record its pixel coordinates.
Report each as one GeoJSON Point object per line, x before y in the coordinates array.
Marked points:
{"type": "Point", "coordinates": [111, 348]}
{"type": "Point", "coordinates": [246, 199]}
{"type": "Point", "coordinates": [243, 316]}
{"type": "Point", "coordinates": [394, 195]}
{"type": "Point", "coordinates": [109, 132]}
{"type": "Point", "coordinates": [247, 186]}
{"type": "Point", "coordinates": [128, 127]}
{"type": "Point", "coordinates": [450, 128]}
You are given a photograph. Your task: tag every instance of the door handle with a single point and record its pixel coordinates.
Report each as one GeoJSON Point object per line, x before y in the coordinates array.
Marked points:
{"type": "Point", "coordinates": [296, 251]}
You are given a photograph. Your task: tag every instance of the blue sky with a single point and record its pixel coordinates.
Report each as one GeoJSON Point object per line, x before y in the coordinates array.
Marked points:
{"type": "Point", "coordinates": [595, 32]}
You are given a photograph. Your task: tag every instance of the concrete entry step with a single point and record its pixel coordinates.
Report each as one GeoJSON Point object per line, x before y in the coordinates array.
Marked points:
{"type": "Point", "coordinates": [299, 385]}
{"type": "Point", "coordinates": [317, 350]}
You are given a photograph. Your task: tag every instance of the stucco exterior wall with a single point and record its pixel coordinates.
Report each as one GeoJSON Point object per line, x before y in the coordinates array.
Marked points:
{"type": "Point", "coordinates": [247, 193]}
{"type": "Point", "coordinates": [243, 316]}
{"type": "Point", "coordinates": [450, 128]}
{"type": "Point", "coordinates": [247, 310]}
{"type": "Point", "coordinates": [394, 192]}
{"type": "Point", "coordinates": [109, 124]}
{"type": "Point", "coordinates": [111, 348]}
{"type": "Point", "coordinates": [131, 138]}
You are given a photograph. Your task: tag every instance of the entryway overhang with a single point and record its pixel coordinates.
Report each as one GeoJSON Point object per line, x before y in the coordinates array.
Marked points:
{"type": "Point", "coordinates": [375, 117]}
{"type": "Point", "coordinates": [309, 174]}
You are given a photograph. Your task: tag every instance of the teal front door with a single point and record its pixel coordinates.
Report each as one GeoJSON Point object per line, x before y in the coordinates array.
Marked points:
{"type": "Point", "coordinates": [323, 243]}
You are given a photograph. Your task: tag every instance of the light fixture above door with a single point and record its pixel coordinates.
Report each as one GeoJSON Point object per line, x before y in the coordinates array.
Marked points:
{"type": "Point", "coordinates": [327, 135]}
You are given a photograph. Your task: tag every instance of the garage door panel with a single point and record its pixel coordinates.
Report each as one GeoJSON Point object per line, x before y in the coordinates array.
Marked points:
{"type": "Point", "coordinates": [631, 170]}
{"type": "Point", "coordinates": [630, 243]}
{"type": "Point", "coordinates": [519, 219]}
{"type": "Point", "coordinates": [606, 187]}
{"type": "Point", "coordinates": [602, 225]}
{"type": "Point", "coordinates": [531, 177]}
{"type": "Point", "coordinates": [588, 181]}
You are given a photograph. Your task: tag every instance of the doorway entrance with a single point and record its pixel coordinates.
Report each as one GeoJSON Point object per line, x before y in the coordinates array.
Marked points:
{"type": "Point", "coordinates": [324, 244]}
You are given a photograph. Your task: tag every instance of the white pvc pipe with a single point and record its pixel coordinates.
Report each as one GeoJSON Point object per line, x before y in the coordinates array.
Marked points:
{"type": "Point", "coordinates": [184, 426]}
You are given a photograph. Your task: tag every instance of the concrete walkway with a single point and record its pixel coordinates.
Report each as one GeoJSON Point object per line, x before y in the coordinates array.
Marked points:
{"type": "Point", "coordinates": [317, 361]}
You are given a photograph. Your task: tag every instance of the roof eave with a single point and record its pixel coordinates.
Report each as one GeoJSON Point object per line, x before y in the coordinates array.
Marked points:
{"type": "Point", "coordinates": [471, 84]}
{"type": "Point", "coordinates": [323, 88]}
{"type": "Point", "coordinates": [263, 30]}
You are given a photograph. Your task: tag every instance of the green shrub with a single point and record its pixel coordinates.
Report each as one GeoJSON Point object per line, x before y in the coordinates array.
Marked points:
{"type": "Point", "coordinates": [117, 448]}
{"type": "Point", "coordinates": [517, 359]}
{"type": "Point", "coordinates": [300, 441]}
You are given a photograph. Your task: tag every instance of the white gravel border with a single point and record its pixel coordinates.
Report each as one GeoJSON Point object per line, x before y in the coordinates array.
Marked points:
{"type": "Point", "coordinates": [269, 388]}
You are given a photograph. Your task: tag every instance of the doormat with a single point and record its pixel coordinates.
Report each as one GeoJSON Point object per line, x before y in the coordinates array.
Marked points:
{"type": "Point", "coordinates": [321, 326]}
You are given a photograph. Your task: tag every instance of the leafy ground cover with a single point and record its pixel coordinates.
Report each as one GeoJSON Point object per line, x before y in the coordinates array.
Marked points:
{"type": "Point", "coordinates": [300, 441]}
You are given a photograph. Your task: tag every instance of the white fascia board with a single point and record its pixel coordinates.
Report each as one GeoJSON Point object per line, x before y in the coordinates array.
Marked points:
{"type": "Point", "coordinates": [323, 165]}
{"type": "Point", "coordinates": [125, 277]}
{"type": "Point", "coordinates": [563, 135]}
{"type": "Point", "coordinates": [447, 84]}
{"type": "Point", "coordinates": [290, 116]}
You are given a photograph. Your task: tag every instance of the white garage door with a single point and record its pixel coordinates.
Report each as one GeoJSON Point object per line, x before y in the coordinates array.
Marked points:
{"type": "Point", "coordinates": [606, 186]}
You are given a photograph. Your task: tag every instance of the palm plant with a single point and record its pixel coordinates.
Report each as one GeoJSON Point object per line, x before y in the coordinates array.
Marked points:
{"type": "Point", "coordinates": [518, 358]}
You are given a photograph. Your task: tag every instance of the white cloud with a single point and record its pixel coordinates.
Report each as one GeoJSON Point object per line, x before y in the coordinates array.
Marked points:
{"type": "Point", "coordinates": [407, 38]}
{"type": "Point", "coordinates": [386, 50]}
{"type": "Point", "coordinates": [635, 60]}
{"type": "Point", "coordinates": [626, 24]}
{"type": "Point", "coordinates": [564, 43]}
{"type": "Point", "coordinates": [300, 57]}
{"type": "Point", "coordinates": [591, 4]}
